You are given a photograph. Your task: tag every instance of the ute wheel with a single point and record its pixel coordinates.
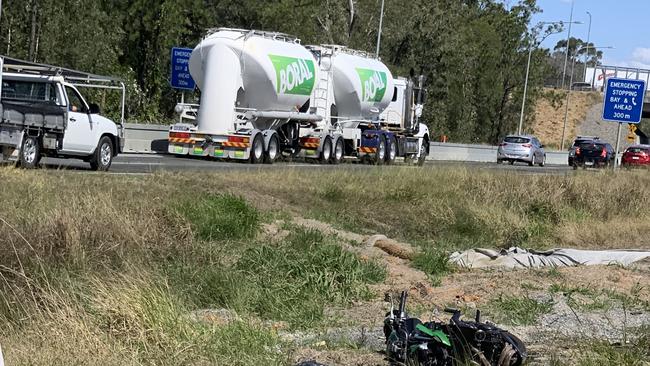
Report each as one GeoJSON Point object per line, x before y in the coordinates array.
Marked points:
{"type": "Point", "coordinates": [30, 153]}
{"type": "Point", "coordinates": [392, 151]}
{"type": "Point", "coordinates": [102, 158]}
{"type": "Point", "coordinates": [326, 150]}
{"type": "Point", "coordinates": [423, 153]}
{"type": "Point", "coordinates": [380, 155]}
{"type": "Point", "coordinates": [257, 150]}
{"type": "Point", "coordinates": [339, 151]}
{"type": "Point", "coordinates": [273, 150]}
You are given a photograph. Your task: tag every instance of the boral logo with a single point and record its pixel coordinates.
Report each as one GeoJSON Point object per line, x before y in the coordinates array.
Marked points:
{"type": "Point", "coordinates": [294, 75]}
{"type": "Point", "coordinates": [373, 85]}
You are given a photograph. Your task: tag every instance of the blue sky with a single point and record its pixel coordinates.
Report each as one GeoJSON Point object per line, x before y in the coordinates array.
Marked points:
{"type": "Point", "coordinates": [622, 24]}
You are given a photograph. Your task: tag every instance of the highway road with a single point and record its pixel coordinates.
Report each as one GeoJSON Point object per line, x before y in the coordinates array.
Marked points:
{"type": "Point", "coordinates": [143, 164]}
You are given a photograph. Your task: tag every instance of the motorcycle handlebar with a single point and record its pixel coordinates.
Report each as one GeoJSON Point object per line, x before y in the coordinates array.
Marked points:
{"type": "Point", "coordinates": [402, 303]}
{"type": "Point", "coordinates": [451, 310]}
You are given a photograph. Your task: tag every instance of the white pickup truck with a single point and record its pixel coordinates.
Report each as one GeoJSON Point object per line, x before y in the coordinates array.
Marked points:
{"type": "Point", "coordinates": [45, 115]}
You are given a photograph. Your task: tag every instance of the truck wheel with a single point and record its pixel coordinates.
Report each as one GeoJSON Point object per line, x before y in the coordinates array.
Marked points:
{"type": "Point", "coordinates": [392, 151]}
{"type": "Point", "coordinates": [423, 153]}
{"type": "Point", "coordinates": [339, 151]}
{"type": "Point", "coordinates": [103, 156]}
{"type": "Point", "coordinates": [273, 151]}
{"type": "Point", "coordinates": [380, 155]}
{"type": "Point", "coordinates": [326, 151]}
{"type": "Point", "coordinates": [257, 150]}
{"type": "Point", "coordinates": [30, 154]}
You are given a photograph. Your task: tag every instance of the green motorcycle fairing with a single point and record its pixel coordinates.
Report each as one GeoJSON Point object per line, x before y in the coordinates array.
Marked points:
{"type": "Point", "coordinates": [437, 334]}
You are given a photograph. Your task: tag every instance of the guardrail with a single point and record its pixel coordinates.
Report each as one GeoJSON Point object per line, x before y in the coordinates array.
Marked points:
{"type": "Point", "coordinates": [482, 153]}
{"type": "Point", "coordinates": [148, 139]}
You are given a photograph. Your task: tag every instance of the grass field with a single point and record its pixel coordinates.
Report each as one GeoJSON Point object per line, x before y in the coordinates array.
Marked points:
{"type": "Point", "coordinates": [113, 270]}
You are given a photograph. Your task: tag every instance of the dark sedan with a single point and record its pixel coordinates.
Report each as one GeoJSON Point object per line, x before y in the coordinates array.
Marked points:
{"type": "Point", "coordinates": [593, 154]}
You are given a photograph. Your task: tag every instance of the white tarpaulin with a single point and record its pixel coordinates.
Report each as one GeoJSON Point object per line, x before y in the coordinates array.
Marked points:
{"type": "Point", "coordinates": [514, 258]}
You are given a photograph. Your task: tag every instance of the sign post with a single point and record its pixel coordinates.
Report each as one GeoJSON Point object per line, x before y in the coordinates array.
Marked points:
{"type": "Point", "coordinates": [623, 104]}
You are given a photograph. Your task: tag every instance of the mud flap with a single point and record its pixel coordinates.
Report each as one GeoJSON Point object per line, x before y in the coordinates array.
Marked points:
{"type": "Point", "coordinates": [10, 150]}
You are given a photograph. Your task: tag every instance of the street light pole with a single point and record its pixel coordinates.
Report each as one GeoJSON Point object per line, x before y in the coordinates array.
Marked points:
{"type": "Point", "coordinates": [587, 53]}
{"type": "Point", "coordinates": [566, 103]}
{"type": "Point", "coordinates": [523, 101]}
{"type": "Point", "coordinates": [568, 41]}
{"type": "Point", "coordinates": [381, 21]}
{"type": "Point", "coordinates": [530, 55]}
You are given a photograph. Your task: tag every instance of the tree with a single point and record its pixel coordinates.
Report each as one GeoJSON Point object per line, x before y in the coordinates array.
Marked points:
{"type": "Point", "coordinates": [472, 52]}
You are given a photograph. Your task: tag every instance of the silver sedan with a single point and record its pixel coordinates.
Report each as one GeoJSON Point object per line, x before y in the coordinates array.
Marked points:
{"type": "Point", "coordinates": [524, 148]}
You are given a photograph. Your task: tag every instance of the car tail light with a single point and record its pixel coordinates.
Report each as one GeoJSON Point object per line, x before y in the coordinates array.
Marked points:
{"type": "Point", "coordinates": [503, 144]}
{"type": "Point", "coordinates": [577, 151]}
{"type": "Point", "coordinates": [528, 145]}
{"type": "Point", "coordinates": [604, 153]}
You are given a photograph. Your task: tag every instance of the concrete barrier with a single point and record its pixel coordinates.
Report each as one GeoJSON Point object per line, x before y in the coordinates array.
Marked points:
{"type": "Point", "coordinates": [140, 138]}
{"type": "Point", "coordinates": [151, 139]}
{"type": "Point", "coordinates": [481, 153]}
{"type": "Point", "coordinates": [461, 152]}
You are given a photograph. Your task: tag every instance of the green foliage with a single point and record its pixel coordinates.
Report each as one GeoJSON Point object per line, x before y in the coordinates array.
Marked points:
{"type": "Point", "coordinates": [220, 217]}
{"type": "Point", "coordinates": [292, 280]}
{"type": "Point", "coordinates": [636, 353]}
{"type": "Point", "coordinates": [433, 262]}
{"type": "Point", "coordinates": [473, 53]}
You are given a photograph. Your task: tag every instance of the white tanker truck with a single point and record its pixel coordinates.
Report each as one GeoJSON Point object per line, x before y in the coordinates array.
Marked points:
{"type": "Point", "coordinates": [264, 94]}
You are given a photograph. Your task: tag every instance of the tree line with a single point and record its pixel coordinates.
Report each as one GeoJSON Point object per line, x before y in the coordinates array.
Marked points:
{"type": "Point", "coordinates": [473, 52]}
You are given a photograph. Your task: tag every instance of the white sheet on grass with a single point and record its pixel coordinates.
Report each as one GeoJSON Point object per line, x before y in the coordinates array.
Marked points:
{"type": "Point", "coordinates": [515, 257]}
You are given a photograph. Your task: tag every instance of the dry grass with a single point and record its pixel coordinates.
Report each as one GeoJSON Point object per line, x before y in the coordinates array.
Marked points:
{"type": "Point", "coordinates": [458, 208]}
{"type": "Point", "coordinates": [101, 269]}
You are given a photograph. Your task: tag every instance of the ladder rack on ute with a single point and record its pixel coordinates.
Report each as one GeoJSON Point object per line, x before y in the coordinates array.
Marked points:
{"type": "Point", "coordinates": [79, 79]}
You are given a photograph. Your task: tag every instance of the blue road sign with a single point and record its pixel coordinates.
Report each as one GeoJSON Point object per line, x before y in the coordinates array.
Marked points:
{"type": "Point", "coordinates": [181, 78]}
{"type": "Point", "coordinates": [624, 100]}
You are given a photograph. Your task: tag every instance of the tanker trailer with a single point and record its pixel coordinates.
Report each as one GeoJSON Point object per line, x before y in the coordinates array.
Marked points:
{"type": "Point", "coordinates": [255, 88]}
{"type": "Point", "coordinates": [376, 116]}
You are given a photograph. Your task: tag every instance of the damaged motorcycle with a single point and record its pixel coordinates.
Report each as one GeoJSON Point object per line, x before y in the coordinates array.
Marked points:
{"type": "Point", "coordinates": [411, 342]}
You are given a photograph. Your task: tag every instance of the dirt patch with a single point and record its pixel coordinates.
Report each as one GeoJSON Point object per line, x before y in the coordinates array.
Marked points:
{"type": "Point", "coordinates": [341, 357]}
{"type": "Point", "coordinates": [587, 303]}
{"type": "Point", "coordinates": [549, 114]}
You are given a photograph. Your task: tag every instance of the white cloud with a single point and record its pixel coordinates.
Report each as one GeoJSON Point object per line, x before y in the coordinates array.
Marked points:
{"type": "Point", "coordinates": [642, 55]}
{"type": "Point", "coordinates": [640, 59]}
{"type": "Point", "coordinates": [631, 64]}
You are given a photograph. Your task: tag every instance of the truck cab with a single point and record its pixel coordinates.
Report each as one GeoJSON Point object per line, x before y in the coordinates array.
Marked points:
{"type": "Point", "coordinates": [46, 115]}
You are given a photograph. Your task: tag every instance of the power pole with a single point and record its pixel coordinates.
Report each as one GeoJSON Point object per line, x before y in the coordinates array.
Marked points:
{"type": "Point", "coordinates": [568, 42]}
{"type": "Point", "coordinates": [381, 21]}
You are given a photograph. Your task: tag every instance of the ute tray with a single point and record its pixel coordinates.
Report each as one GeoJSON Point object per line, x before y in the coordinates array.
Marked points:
{"type": "Point", "coordinates": [33, 114]}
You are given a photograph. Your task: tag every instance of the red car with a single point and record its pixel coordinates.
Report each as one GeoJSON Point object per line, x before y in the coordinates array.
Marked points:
{"type": "Point", "coordinates": [636, 155]}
